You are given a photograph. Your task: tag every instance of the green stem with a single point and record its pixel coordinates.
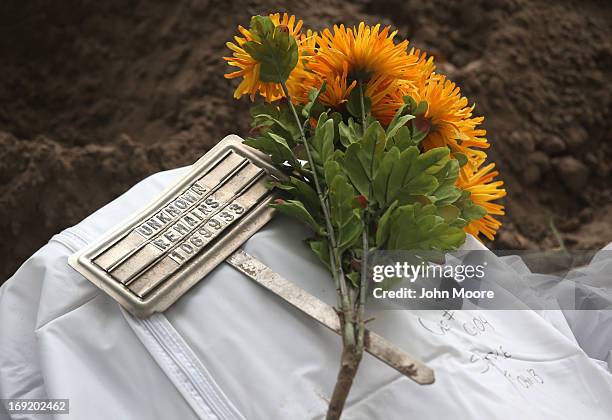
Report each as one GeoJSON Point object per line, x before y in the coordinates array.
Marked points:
{"type": "Point", "coordinates": [363, 113]}
{"type": "Point", "coordinates": [335, 258]}
{"type": "Point", "coordinates": [331, 234]}
{"type": "Point", "coordinates": [363, 284]}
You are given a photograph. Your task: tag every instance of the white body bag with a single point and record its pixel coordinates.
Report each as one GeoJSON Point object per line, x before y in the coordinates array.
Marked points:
{"type": "Point", "coordinates": [229, 349]}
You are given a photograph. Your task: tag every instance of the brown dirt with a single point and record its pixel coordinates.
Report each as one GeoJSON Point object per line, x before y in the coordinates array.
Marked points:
{"type": "Point", "coordinates": [94, 96]}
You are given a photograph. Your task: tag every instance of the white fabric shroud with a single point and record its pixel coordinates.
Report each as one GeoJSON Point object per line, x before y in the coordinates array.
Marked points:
{"type": "Point", "coordinates": [229, 349]}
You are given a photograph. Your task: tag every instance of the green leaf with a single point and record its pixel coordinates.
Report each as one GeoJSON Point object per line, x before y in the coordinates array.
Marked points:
{"type": "Point", "coordinates": [297, 210]}
{"type": "Point", "coordinates": [337, 117]}
{"type": "Point", "coordinates": [447, 192]}
{"type": "Point", "coordinates": [349, 133]}
{"type": "Point", "coordinates": [332, 168]}
{"type": "Point", "coordinates": [418, 135]}
{"type": "Point", "coordinates": [401, 122]}
{"type": "Point", "coordinates": [274, 48]}
{"type": "Point", "coordinates": [306, 194]}
{"type": "Point", "coordinates": [322, 143]}
{"type": "Point", "coordinates": [341, 196]}
{"type": "Point", "coordinates": [326, 136]}
{"type": "Point", "coordinates": [461, 158]}
{"type": "Point", "coordinates": [403, 175]}
{"type": "Point", "coordinates": [362, 159]}
{"type": "Point", "coordinates": [313, 96]}
{"type": "Point", "coordinates": [382, 232]}
{"type": "Point", "coordinates": [413, 107]}
{"type": "Point", "coordinates": [275, 146]}
{"type": "Point", "coordinates": [402, 139]}
{"type": "Point", "coordinates": [350, 233]}
{"type": "Point", "coordinates": [303, 192]}
{"type": "Point", "coordinates": [469, 210]}
{"type": "Point", "coordinates": [459, 223]}
{"type": "Point", "coordinates": [385, 186]}
{"type": "Point", "coordinates": [421, 108]}
{"type": "Point", "coordinates": [353, 104]}
{"type": "Point", "coordinates": [411, 135]}
{"type": "Point", "coordinates": [410, 103]}
{"type": "Point", "coordinates": [345, 218]}
{"type": "Point", "coordinates": [321, 249]}
{"type": "Point", "coordinates": [398, 121]}
{"type": "Point", "coordinates": [373, 147]}
{"type": "Point", "coordinates": [432, 161]}
{"type": "Point", "coordinates": [356, 171]}
{"type": "Point", "coordinates": [416, 227]}
{"type": "Point", "coordinates": [264, 109]}
{"type": "Point", "coordinates": [449, 213]}
{"type": "Point", "coordinates": [261, 26]}
{"type": "Point", "coordinates": [354, 278]}
{"type": "Point", "coordinates": [277, 119]}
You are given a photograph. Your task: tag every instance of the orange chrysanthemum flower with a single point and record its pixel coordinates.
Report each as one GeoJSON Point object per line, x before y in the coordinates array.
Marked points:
{"type": "Point", "coordinates": [250, 68]}
{"type": "Point", "coordinates": [451, 120]}
{"type": "Point", "coordinates": [483, 192]}
{"type": "Point", "coordinates": [366, 50]}
{"type": "Point", "coordinates": [347, 55]}
{"type": "Point", "coordinates": [338, 89]}
{"type": "Point", "coordinates": [386, 106]}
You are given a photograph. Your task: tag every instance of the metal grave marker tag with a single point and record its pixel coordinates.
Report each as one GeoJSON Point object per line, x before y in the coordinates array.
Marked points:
{"type": "Point", "coordinates": [199, 222]}
{"type": "Point", "coordinates": [150, 261]}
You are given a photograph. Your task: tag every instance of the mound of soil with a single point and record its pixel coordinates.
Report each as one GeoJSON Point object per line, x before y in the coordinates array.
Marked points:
{"type": "Point", "coordinates": [94, 96]}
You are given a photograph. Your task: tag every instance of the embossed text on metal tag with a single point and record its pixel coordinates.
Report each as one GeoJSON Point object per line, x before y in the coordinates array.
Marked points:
{"type": "Point", "coordinates": [148, 262]}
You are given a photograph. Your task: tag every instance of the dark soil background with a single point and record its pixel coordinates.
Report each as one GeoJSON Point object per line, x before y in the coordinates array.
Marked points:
{"type": "Point", "coordinates": [96, 95]}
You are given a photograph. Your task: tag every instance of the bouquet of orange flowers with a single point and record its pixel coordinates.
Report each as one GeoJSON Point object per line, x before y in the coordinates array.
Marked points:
{"type": "Point", "coordinates": [380, 152]}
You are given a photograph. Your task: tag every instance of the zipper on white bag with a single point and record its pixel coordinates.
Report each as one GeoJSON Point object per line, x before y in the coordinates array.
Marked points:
{"type": "Point", "coordinates": [171, 352]}
{"type": "Point", "coordinates": [183, 367]}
